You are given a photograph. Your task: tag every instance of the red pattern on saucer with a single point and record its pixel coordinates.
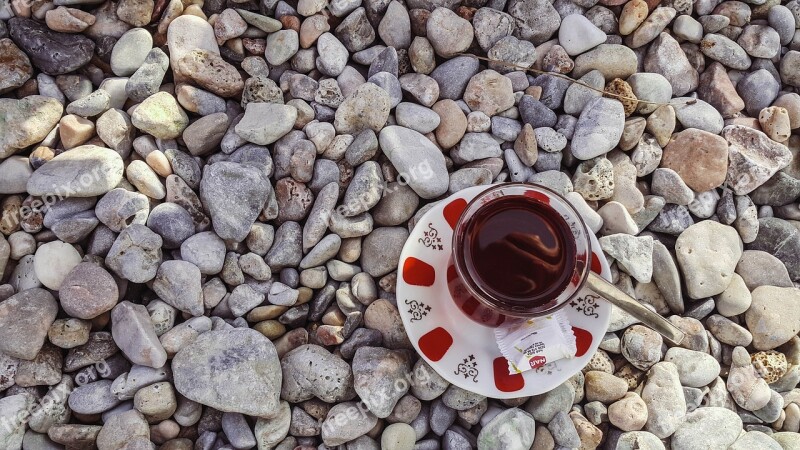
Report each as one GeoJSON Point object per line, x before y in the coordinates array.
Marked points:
{"type": "Point", "coordinates": [462, 351]}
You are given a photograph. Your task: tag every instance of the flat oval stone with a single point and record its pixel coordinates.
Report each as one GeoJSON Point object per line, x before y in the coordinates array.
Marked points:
{"type": "Point", "coordinates": [51, 52]}
{"type": "Point", "coordinates": [230, 370]}
{"type": "Point", "coordinates": [130, 51]}
{"type": "Point", "coordinates": [84, 171]}
{"type": "Point", "coordinates": [87, 291]}
{"type": "Point", "coordinates": [599, 128]}
{"type": "Point", "coordinates": [417, 159]}
{"type": "Point", "coordinates": [699, 157]}
{"type": "Point", "coordinates": [26, 122]}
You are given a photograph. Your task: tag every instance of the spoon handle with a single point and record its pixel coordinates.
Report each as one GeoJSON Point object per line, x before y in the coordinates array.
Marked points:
{"type": "Point", "coordinates": [628, 304]}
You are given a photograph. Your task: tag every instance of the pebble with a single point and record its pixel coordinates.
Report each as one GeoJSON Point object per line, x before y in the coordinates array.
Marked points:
{"type": "Point", "coordinates": [130, 51]}
{"type": "Point", "coordinates": [641, 346]}
{"type": "Point", "coordinates": [135, 254]}
{"type": "Point", "coordinates": [735, 299]}
{"type": "Point", "coordinates": [758, 268]}
{"type": "Point", "coordinates": [51, 52]}
{"type": "Point", "coordinates": [17, 69]}
{"type": "Point", "coordinates": [380, 248]}
{"type": "Point", "coordinates": [699, 115]}
{"type": "Point", "coordinates": [563, 431]}
{"type": "Point", "coordinates": [178, 284]}
{"type": "Point", "coordinates": [668, 184]}
{"type": "Point", "coordinates": [69, 175]}
{"type": "Point", "coordinates": [663, 395]}
{"type": "Point", "coordinates": [281, 46]}
{"type": "Point", "coordinates": [26, 318]}
{"type": "Point", "coordinates": [695, 251]}
{"type": "Point", "coordinates": [717, 89]}
{"type": "Point", "coordinates": [398, 436]}
{"type": "Point", "coordinates": [512, 429]}
{"type": "Point", "coordinates": [87, 291]}
{"type": "Point", "coordinates": [265, 123]}
{"type": "Point", "coordinates": [725, 423]}
{"type": "Point", "coordinates": [135, 335]}
{"type": "Point", "coordinates": [726, 51]}
{"type": "Point", "coordinates": [348, 426]}
{"type": "Point", "coordinates": [160, 116]}
{"type": "Point", "coordinates": [453, 76]}
{"type": "Point", "coordinates": [203, 368]}
{"type": "Point", "coordinates": [366, 107]}
{"type": "Point", "coordinates": [665, 57]}
{"type": "Point", "coordinates": [490, 26]}
{"type": "Point", "coordinates": [628, 413]}
{"type": "Point", "coordinates": [377, 370]}
{"type": "Point", "coordinates": [395, 27]}
{"type": "Point", "coordinates": [146, 80]}
{"type": "Point", "coordinates": [448, 33]}
{"type": "Point", "coordinates": [53, 261]}
{"type": "Point", "coordinates": [695, 369]}
{"type": "Point", "coordinates": [760, 41]}
{"type": "Point", "coordinates": [311, 371]}
{"type": "Point", "coordinates": [416, 117]}
{"type": "Point", "coordinates": [753, 158]}
{"type": "Point", "coordinates": [599, 128]}
{"type": "Point", "coordinates": [417, 158]}
{"type": "Point", "coordinates": [709, 159]}
{"type": "Point", "coordinates": [68, 20]}
{"type": "Point", "coordinates": [577, 34]}
{"type": "Point", "coordinates": [727, 331]}
{"type": "Point", "coordinates": [578, 96]}
{"type": "Point", "coordinates": [633, 254]}
{"type": "Point", "coordinates": [223, 179]}
{"type": "Point", "coordinates": [755, 439]}
{"type": "Point", "coordinates": [536, 20]}
{"type": "Point", "coordinates": [489, 92]}
{"type": "Point", "coordinates": [544, 407]}
{"type": "Point", "coordinates": [747, 388]}
{"type": "Point", "coordinates": [772, 327]}
{"type": "Point", "coordinates": [604, 387]}
{"type": "Point", "coordinates": [513, 53]}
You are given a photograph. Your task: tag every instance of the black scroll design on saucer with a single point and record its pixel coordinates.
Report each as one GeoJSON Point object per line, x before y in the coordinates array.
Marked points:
{"type": "Point", "coordinates": [587, 305]}
{"type": "Point", "coordinates": [431, 238]}
{"type": "Point", "coordinates": [417, 309]}
{"type": "Point", "coordinates": [469, 368]}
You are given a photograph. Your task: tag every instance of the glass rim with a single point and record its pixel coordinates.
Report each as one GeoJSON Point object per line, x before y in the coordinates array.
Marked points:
{"type": "Point", "coordinates": [483, 296]}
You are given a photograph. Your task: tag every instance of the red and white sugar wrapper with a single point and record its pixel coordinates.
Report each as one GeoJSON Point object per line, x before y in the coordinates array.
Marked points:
{"type": "Point", "coordinates": [532, 343]}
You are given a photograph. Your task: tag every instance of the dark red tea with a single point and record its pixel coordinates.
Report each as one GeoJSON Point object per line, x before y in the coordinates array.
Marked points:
{"type": "Point", "coordinates": [521, 251]}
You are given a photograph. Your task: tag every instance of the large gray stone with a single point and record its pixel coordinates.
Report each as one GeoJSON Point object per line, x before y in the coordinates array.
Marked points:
{"type": "Point", "coordinates": [416, 159]}
{"type": "Point", "coordinates": [24, 321]}
{"type": "Point", "coordinates": [224, 181]}
{"type": "Point", "coordinates": [233, 370]}
{"type": "Point", "coordinates": [84, 171]}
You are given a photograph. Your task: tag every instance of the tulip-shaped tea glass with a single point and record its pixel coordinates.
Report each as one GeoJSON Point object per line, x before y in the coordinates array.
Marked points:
{"type": "Point", "coordinates": [522, 250]}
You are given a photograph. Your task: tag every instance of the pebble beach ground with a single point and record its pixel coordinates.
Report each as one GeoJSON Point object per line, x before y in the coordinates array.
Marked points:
{"type": "Point", "coordinates": [203, 206]}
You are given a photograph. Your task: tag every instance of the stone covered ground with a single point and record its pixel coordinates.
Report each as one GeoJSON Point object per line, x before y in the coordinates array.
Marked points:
{"type": "Point", "coordinates": [203, 205]}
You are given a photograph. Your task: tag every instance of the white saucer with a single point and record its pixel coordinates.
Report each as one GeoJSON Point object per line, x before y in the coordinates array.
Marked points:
{"type": "Point", "coordinates": [461, 350]}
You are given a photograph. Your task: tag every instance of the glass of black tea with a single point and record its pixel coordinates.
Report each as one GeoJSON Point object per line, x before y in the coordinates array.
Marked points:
{"type": "Point", "coordinates": [522, 250]}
